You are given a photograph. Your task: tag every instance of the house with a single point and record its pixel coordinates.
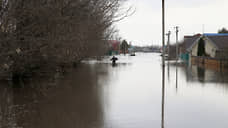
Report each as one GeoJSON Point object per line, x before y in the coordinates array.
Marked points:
{"type": "Point", "coordinates": [209, 50]}
{"type": "Point", "coordinates": [210, 45]}
{"type": "Point", "coordinates": [114, 47]}
{"type": "Point", "coordinates": [187, 43]}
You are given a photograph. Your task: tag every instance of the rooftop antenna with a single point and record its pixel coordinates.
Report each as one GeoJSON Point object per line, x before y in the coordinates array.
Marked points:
{"type": "Point", "coordinates": [203, 27]}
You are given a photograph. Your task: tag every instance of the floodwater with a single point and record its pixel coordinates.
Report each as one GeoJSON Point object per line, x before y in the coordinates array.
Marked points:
{"type": "Point", "coordinates": [127, 95]}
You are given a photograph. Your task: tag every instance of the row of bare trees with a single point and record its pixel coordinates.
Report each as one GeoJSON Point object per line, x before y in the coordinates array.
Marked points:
{"type": "Point", "coordinates": [47, 34]}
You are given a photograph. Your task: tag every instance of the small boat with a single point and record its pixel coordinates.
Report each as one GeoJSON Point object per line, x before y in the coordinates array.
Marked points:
{"type": "Point", "coordinates": [132, 54]}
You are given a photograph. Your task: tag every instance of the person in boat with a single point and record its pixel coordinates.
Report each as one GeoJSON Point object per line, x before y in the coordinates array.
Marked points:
{"type": "Point", "coordinates": [114, 59]}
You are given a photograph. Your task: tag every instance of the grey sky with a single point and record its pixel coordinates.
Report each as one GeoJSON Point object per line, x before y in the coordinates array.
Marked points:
{"type": "Point", "coordinates": [144, 27]}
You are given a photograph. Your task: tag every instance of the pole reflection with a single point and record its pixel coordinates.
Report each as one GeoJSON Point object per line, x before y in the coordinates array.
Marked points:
{"type": "Point", "coordinates": [163, 98]}
{"type": "Point", "coordinates": [168, 70]}
{"type": "Point", "coordinates": [176, 79]}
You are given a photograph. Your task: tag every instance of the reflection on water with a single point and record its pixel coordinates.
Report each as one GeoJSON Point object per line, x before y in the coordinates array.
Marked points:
{"type": "Point", "coordinates": [128, 95]}
{"type": "Point", "coordinates": [163, 95]}
{"type": "Point", "coordinates": [74, 101]}
{"type": "Point", "coordinates": [176, 78]}
{"type": "Point", "coordinates": [201, 99]}
{"type": "Point", "coordinates": [200, 74]}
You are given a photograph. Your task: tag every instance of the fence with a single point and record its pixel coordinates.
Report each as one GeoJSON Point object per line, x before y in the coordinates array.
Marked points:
{"type": "Point", "coordinates": [210, 63]}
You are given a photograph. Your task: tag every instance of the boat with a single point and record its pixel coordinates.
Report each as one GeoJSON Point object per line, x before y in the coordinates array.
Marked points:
{"type": "Point", "coordinates": [132, 54]}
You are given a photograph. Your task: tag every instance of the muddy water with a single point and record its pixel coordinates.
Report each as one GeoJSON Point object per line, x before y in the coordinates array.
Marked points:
{"type": "Point", "coordinates": [127, 95]}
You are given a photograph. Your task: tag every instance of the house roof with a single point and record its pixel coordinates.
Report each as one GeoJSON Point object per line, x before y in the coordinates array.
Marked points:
{"type": "Point", "coordinates": [189, 40]}
{"type": "Point", "coordinates": [220, 40]}
{"type": "Point", "coordinates": [215, 34]}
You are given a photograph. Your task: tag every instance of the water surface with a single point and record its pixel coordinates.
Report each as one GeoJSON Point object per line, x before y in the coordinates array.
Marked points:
{"type": "Point", "coordinates": [128, 95]}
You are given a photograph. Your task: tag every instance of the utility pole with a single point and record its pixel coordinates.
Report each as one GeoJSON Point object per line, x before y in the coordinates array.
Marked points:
{"type": "Point", "coordinates": [163, 65]}
{"type": "Point", "coordinates": [203, 27]}
{"type": "Point", "coordinates": [163, 32]}
{"type": "Point", "coordinates": [177, 53]}
{"type": "Point", "coordinates": [168, 42]}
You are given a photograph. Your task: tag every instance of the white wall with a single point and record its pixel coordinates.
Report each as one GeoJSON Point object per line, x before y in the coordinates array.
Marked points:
{"type": "Point", "coordinates": [210, 48]}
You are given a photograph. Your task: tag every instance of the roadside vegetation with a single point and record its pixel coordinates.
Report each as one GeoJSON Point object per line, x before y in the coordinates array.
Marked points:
{"type": "Point", "coordinates": [39, 36]}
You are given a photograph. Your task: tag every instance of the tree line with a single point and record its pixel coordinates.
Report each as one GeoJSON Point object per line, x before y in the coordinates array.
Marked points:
{"type": "Point", "coordinates": [43, 35]}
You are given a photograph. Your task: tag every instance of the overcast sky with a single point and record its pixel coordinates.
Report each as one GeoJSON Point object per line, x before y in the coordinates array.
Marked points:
{"type": "Point", "coordinates": [144, 27]}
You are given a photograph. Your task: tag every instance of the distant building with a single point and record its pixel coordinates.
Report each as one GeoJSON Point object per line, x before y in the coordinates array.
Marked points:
{"type": "Point", "coordinates": [114, 47]}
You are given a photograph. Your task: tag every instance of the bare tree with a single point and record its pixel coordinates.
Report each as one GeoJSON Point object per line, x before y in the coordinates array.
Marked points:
{"type": "Point", "coordinates": [38, 35]}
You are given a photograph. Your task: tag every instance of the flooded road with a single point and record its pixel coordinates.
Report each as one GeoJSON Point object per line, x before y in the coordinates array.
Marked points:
{"type": "Point", "coordinates": [128, 95]}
